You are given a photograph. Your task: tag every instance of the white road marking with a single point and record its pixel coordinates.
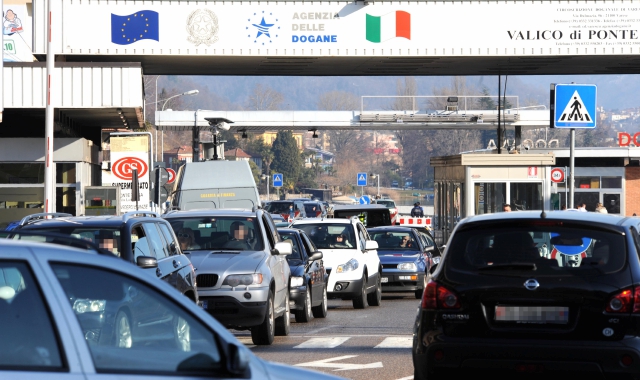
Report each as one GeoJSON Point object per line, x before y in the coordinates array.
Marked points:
{"type": "Point", "coordinates": [327, 363]}
{"type": "Point", "coordinates": [322, 342]}
{"type": "Point", "coordinates": [406, 378]}
{"type": "Point", "coordinates": [396, 342]}
{"type": "Point", "coordinates": [313, 332]}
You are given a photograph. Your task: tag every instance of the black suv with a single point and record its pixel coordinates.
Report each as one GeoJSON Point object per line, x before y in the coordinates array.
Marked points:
{"type": "Point", "coordinates": [534, 294]}
{"type": "Point", "coordinates": [140, 237]}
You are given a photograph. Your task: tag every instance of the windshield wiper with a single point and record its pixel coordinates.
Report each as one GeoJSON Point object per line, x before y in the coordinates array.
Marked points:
{"type": "Point", "coordinates": [513, 266]}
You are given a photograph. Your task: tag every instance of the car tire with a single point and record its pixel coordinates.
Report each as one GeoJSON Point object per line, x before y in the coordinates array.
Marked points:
{"type": "Point", "coordinates": [320, 311]}
{"type": "Point", "coordinates": [122, 331]}
{"type": "Point", "coordinates": [264, 333]}
{"type": "Point", "coordinates": [360, 302]}
{"type": "Point", "coordinates": [375, 298]}
{"type": "Point", "coordinates": [304, 315]}
{"type": "Point", "coordinates": [182, 334]}
{"type": "Point", "coordinates": [283, 322]}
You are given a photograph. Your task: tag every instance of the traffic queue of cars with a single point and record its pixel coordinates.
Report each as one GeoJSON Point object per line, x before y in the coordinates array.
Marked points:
{"type": "Point", "coordinates": [236, 266]}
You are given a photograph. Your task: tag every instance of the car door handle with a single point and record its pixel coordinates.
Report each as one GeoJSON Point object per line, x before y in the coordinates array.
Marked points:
{"type": "Point", "coordinates": [158, 272]}
{"type": "Point", "coordinates": [176, 263]}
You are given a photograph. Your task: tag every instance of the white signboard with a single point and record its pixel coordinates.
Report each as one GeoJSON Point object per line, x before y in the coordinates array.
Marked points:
{"type": "Point", "coordinates": [443, 28]}
{"type": "Point", "coordinates": [128, 153]}
{"type": "Point", "coordinates": [16, 33]}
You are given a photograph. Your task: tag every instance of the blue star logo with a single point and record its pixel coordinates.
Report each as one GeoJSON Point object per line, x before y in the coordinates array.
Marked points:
{"type": "Point", "coordinates": [267, 29]}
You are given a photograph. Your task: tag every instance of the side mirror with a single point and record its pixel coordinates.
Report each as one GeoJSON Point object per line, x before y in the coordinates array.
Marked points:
{"type": "Point", "coordinates": [146, 262]}
{"type": "Point", "coordinates": [315, 256]}
{"type": "Point", "coordinates": [238, 360]}
{"type": "Point", "coordinates": [370, 245]}
{"type": "Point", "coordinates": [173, 247]}
{"type": "Point", "coordinates": [282, 248]}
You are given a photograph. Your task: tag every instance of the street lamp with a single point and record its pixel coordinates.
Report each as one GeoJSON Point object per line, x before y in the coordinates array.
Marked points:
{"type": "Point", "coordinates": [377, 176]}
{"type": "Point", "coordinates": [264, 176]}
{"type": "Point", "coordinates": [192, 92]}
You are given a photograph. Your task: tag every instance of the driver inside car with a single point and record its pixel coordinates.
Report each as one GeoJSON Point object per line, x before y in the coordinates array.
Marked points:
{"type": "Point", "coordinates": [239, 236]}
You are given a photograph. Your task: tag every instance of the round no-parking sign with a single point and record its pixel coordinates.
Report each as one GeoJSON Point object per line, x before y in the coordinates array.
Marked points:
{"type": "Point", "coordinates": [557, 175]}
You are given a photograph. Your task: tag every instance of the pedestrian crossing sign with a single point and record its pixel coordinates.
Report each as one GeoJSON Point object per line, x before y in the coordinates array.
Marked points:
{"type": "Point", "coordinates": [574, 106]}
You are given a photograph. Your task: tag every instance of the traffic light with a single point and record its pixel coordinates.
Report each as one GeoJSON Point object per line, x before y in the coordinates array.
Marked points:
{"type": "Point", "coordinates": [160, 178]}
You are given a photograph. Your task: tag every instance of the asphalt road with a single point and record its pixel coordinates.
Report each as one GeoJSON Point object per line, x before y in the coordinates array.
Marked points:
{"type": "Point", "coordinates": [374, 343]}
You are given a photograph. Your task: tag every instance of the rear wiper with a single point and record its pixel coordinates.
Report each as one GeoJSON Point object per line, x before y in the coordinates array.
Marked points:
{"type": "Point", "coordinates": [513, 266]}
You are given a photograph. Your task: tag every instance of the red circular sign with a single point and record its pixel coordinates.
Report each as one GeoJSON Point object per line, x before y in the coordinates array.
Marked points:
{"type": "Point", "coordinates": [123, 168]}
{"type": "Point", "coordinates": [557, 175]}
{"type": "Point", "coordinates": [172, 175]}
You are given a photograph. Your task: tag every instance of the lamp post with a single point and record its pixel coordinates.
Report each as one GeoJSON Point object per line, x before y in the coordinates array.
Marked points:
{"type": "Point", "coordinates": [264, 176]}
{"type": "Point", "coordinates": [192, 92]}
{"type": "Point", "coordinates": [377, 176]}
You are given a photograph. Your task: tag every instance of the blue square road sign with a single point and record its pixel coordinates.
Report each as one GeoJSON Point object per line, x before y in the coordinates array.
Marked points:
{"type": "Point", "coordinates": [574, 106]}
{"type": "Point", "coordinates": [362, 179]}
{"type": "Point", "coordinates": [277, 180]}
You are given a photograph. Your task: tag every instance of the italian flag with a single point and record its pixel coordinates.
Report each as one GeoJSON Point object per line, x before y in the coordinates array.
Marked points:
{"type": "Point", "coordinates": [386, 27]}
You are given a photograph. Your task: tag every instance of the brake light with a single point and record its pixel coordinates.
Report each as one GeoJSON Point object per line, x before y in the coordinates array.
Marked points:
{"type": "Point", "coordinates": [625, 301]}
{"type": "Point", "coordinates": [436, 296]}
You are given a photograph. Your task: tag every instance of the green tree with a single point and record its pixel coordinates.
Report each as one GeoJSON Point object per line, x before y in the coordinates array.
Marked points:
{"type": "Point", "coordinates": [307, 180]}
{"type": "Point", "coordinates": [255, 170]}
{"type": "Point", "coordinates": [286, 158]}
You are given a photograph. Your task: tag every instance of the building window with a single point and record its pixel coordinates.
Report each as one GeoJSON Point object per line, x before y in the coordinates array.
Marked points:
{"type": "Point", "coordinates": [66, 173]}
{"type": "Point", "coordinates": [489, 197]}
{"type": "Point", "coordinates": [21, 173]}
{"type": "Point", "coordinates": [525, 196]}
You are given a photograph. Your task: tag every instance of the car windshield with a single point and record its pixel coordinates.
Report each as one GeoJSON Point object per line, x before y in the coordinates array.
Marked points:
{"type": "Point", "coordinates": [394, 241]}
{"type": "Point", "coordinates": [296, 253]}
{"type": "Point", "coordinates": [106, 238]}
{"type": "Point", "coordinates": [218, 233]}
{"type": "Point", "coordinates": [278, 207]}
{"type": "Point", "coordinates": [552, 248]}
{"type": "Point", "coordinates": [386, 203]}
{"type": "Point", "coordinates": [330, 235]}
{"type": "Point", "coordinates": [311, 209]}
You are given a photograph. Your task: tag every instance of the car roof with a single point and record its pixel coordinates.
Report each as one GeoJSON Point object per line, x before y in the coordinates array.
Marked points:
{"type": "Point", "coordinates": [210, 212]}
{"type": "Point", "coordinates": [587, 217]}
{"type": "Point", "coordinates": [84, 221]}
{"type": "Point", "coordinates": [390, 229]}
{"type": "Point", "coordinates": [325, 221]}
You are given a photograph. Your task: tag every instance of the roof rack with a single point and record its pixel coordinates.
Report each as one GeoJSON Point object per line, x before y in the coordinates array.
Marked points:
{"type": "Point", "coordinates": [133, 214]}
{"type": "Point", "coordinates": [42, 215]}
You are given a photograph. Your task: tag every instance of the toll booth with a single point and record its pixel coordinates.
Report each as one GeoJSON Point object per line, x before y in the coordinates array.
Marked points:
{"type": "Point", "coordinates": [480, 183]}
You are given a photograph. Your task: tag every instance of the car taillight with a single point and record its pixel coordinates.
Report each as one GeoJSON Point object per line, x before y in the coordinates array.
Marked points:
{"type": "Point", "coordinates": [436, 296]}
{"type": "Point", "coordinates": [318, 213]}
{"type": "Point", "coordinates": [625, 301]}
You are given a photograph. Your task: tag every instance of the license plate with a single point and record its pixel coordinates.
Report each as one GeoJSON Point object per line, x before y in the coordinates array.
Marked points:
{"type": "Point", "coordinates": [532, 314]}
{"type": "Point", "coordinates": [384, 279]}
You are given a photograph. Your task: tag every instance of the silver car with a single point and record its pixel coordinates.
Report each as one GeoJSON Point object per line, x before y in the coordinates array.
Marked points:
{"type": "Point", "coordinates": [50, 297]}
{"type": "Point", "coordinates": [242, 272]}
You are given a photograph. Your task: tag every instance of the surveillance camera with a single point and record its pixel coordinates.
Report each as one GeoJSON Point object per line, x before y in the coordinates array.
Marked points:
{"type": "Point", "coordinates": [526, 147]}
{"type": "Point", "coordinates": [224, 126]}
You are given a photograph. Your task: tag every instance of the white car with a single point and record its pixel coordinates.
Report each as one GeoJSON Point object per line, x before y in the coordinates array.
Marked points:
{"type": "Point", "coordinates": [52, 298]}
{"type": "Point", "coordinates": [350, 257]}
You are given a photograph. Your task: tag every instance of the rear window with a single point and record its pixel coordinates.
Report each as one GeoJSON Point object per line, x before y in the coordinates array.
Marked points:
{"type": "Point", "coordinates": [278, 207]}
{"type": "Point", "coordinates": [370, 218]}
{"type": "Point", "coordinates": [107, 238]}
{"type": "Point", "coordinates": [329, 235]}
{"type": "Point", "coordinates": [389, 204]}
{"type": "Point", "coordinates": [547, 249]}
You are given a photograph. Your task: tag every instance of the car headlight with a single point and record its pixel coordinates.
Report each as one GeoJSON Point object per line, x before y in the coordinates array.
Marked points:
{"type": "Point", "coordinates": [348, 266]}
{"type": "Point", "coordinates": [407, 266]}
{"type": "Point", "coordinates": [81, 306]}
{"type": "Point", "coordinates": [297, 281]}
{"type": "Point", "coordinates": [242, 279]}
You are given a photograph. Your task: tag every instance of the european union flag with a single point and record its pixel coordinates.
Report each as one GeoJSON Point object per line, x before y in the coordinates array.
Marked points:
{"type": "Point", "coordinates": [141, 25]}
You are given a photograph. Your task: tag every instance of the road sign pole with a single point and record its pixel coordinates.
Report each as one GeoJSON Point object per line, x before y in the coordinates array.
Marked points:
{"type": "Point", "coordinates": [566, 194]}
{"type": "Point", "coordinates": [572, 183]}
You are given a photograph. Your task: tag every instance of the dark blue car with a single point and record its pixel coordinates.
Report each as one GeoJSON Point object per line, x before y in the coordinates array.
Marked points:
{"type": "Point", "coordinates": [308, 287]}
{"type": "Point", "coordinates": [406, 257]}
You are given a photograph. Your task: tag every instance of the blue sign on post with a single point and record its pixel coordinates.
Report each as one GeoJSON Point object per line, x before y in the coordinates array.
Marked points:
{"type": "Point", "coordinates": [575, 106]}
{"type": "Point", "coordinates": [277, 180]}
{"type": "Point", "coordinates": [362, 179]}
{"type": "Point", "coordinates": [364, 200]}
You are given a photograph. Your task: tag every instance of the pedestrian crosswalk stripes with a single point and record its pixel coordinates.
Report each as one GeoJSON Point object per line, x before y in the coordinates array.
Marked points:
{"type": "Point", "coordinates": [322, 342]}
{"type": "Point", "coordinates": [306, 342]}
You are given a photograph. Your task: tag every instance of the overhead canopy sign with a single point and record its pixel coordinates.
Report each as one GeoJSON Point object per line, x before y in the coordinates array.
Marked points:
{"type": "Point", "coordinates": [328, 29]}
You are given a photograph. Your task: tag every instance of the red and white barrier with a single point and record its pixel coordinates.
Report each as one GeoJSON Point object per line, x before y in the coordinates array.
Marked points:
{"type": "Point", "coordinates": [414, 221]}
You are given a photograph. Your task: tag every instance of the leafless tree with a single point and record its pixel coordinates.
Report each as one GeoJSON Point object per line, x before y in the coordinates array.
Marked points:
{"type": "Point", "coordinates": [343, 140]}
{"type": "Point", "coordinates": [264, 99]}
